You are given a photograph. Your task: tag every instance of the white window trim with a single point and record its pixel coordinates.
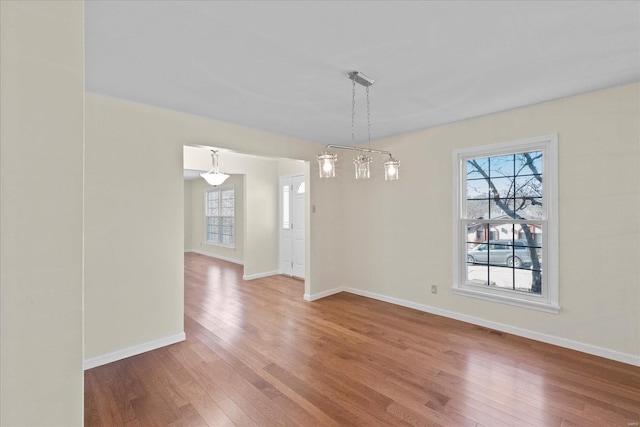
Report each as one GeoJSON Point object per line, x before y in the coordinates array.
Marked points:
{"type": "Point", "coordinates": [548, 301]}
{"type": "Point", "coordinates": [219, 189]}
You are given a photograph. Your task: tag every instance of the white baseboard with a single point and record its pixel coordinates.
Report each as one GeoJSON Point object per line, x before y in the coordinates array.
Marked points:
{"type": "Point", "coordinates": [259, 275]}
{"type": "Point", "coordinates": [235, 261]}
{"type": "Point", "coordinates": [223, 258]}
{"type": "Point", "coordinates": [132, 351]}
{"type": "Point", "coordinates": [537, 336]}
{"type": "Point", "coordinates": [324, 294]}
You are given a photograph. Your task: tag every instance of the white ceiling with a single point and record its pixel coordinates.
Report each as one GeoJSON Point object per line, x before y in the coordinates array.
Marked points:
{"type": "Point", "coordinates": [280, 66]}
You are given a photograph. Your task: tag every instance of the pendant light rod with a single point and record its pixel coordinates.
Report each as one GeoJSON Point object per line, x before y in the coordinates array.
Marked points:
{"type": "Point", "coordinates": [364, 150]}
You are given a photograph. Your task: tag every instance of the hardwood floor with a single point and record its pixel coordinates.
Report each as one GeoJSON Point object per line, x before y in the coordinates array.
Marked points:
{"type": "Point", "coordinates": [257, 354]}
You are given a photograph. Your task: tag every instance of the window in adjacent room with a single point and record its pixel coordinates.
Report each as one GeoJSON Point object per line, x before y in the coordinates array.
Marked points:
{"type": "Point", "coordinates": [506, 223]}
{"type": "Point", "coordinates": [220, 216]}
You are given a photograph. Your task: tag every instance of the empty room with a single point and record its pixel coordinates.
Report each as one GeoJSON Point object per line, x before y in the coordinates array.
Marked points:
{"type": "Point", "coordinates": [319, 213]}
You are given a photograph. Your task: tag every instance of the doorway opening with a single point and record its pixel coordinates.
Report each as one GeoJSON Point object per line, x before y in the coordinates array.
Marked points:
{"type": "Point", "coordinates": [292, 225]}
{"type": "Point", "coordinates": [258, 211]}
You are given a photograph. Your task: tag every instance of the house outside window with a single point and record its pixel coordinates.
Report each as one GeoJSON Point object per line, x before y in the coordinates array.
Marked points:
{"type": "Point", "coordinates": [220, 216]}
{"type": "Point", "coordinates": [505, 232]}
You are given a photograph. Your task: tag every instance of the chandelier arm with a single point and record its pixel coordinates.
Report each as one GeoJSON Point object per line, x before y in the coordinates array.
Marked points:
{"type": "Point", "coordinates": [364, 150]}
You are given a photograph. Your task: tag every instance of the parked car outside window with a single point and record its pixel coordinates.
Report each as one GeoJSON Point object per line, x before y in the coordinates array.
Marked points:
{"type": "Point", "coordinates": [512, 253]}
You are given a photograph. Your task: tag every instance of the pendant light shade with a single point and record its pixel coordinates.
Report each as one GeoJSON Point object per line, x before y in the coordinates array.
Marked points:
{"type": "Point", "coordinates": [327, 164]}
{"type": "Point", "coordinates": [363, 166]}
{"type": "Point", "coordinates": [214, 177]}
{"type": "Point", "coordinates": [391, 169]}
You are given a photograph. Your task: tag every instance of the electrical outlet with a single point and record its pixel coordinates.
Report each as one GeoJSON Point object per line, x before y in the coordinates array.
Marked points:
{"type": "Point", "coordinates": [434, 289]}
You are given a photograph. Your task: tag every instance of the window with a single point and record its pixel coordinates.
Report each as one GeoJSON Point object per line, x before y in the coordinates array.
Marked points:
{"type": "Point", "coordinates": [220, 216]}
{"type": "Point", "coordinates": [508, 193]}
{"type": "Point", "coordinates": [286, 197]}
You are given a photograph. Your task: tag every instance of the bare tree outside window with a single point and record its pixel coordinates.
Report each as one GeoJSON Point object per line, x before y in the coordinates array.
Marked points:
{"type": "Point", "coordinates": [504, 200]}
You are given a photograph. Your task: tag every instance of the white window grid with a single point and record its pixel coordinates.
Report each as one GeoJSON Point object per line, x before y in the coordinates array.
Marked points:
{"type": "Point", "coordinates": [220, 216]}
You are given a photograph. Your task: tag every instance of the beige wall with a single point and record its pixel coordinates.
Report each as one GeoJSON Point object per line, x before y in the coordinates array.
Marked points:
{"type": "Point", "coordinates": [41, 134]}
{"type": "Point", "coordinates": [195, 221]}
{"type": "Point", "coordinates": [408, 223]}
{"type": "Point", "coordinates": [261, 225]}
{"type": "Point", "coordinates": [135, 223]}
{"type": "Point", "coordinates": [133, 233]}
{"type": "Point", "coordinates": [288, 167]}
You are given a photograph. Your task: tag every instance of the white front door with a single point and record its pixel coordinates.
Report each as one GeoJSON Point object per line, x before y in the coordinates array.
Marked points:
{"type": "Point", "coordinates": [297, 214]}
{"type": "Point", "coordinates": [292, 195]}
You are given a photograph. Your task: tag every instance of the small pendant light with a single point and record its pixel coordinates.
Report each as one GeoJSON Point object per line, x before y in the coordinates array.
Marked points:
{"type": "Point", "coordinates": [214, 177]}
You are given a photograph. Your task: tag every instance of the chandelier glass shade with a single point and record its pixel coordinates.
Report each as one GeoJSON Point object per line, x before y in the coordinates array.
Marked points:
{"type": "Point", "coordinates": [214, 176]}
{"type": "Point", "coordinates": [362, 164]}
{"type": "Point", "coordinates": [391, 169]}
{"type": "Point", "coordinates": [327, 164]}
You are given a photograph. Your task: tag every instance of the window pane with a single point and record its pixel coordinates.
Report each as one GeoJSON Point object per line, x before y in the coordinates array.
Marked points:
{"type": "Point", "coordinates": [528, 186]}
{"type": "Point", "coordinates": [477, 209]}
{"type": "Point", "coordinates": [528, 281]}
{"type": "Point", "coordinates": [501, 208]}
{"type": "Point", "coordinates": [474, 166]}
{"type": "Point", "coordinates": [529, 235]}
{"type": "Point", "coordinates": [477, 233]}
{"type": "Point", "coordinates": [501, 277]}
{"type": "Point", "coordinates": [477, 274]}
{"type": "Point", "coordinates": [501, 166]}
{"type": "Point", "coordinates": [301, 188]}
{"type": "Point", "coordinates": [529, 208]}
{"type": "Point", "coordinates": [286, 224]}
{"type": "Point", "coordinates": [477, 189]}
{"type": "Point", "coordinates": [212, 204]}
{"type": "Point", "coordinates": [504, 187]}
{"type": "Point", "coordinates": [529, 163]}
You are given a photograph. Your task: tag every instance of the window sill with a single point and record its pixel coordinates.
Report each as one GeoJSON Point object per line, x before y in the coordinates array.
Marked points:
{"type": "Point", "coordinates": [508, 300]}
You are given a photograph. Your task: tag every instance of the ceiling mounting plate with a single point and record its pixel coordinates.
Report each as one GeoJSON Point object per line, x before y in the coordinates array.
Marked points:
{"type": "Point", "coordinates": [360, 78]}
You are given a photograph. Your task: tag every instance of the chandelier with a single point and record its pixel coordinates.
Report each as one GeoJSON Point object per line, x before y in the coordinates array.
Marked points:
{"type": "Point", "coordinates": [327, 160]}
{"type": "Point", "coordinates": [214, 177]}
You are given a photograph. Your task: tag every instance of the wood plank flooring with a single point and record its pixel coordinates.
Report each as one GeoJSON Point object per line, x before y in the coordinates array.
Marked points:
{"type": "Point", "coordinates": [257, 354]}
